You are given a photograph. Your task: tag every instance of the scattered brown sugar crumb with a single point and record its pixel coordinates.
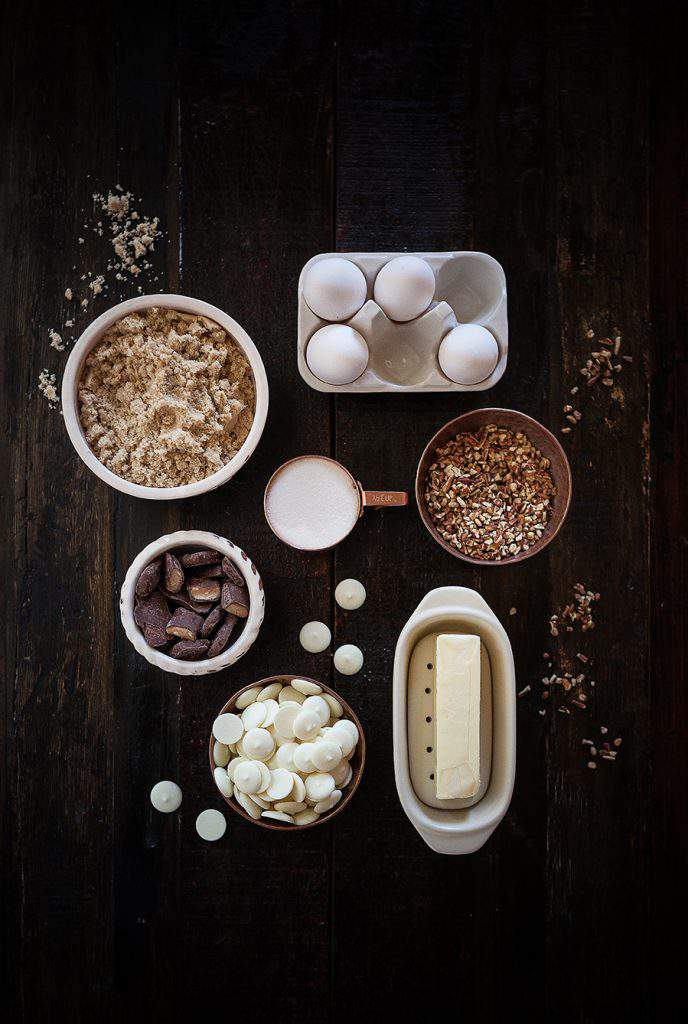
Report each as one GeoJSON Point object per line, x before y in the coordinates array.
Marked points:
{"type": "Point", "coordinates": [166, 398]}
{"type": "Point", "coordinates": [47, 385]}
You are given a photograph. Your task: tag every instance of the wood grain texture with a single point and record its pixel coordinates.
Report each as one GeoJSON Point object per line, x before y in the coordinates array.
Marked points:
{"type": "Point", "coordinates": [553, 137]}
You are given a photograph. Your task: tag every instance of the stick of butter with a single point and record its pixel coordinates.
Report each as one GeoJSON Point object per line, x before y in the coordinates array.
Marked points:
{"type": "Point", "coordinates": [457, 716]}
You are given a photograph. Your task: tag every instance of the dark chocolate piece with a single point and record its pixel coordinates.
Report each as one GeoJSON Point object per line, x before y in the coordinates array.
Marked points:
{"type": "Point", "coordinates": [203, 590]}
{"type": "Point", "coordinates": [149, 579]}
{"type": "Point", "coordinates": [212, 621]}
{"type": "Point", "coordinates": [156, 636]}
{"type": "Point", "coordinates": [231, 572]}
{"type": "Point", "coordinates": [222, 636]}
{"type": "Point", "coordinates": [151, 611]}
{"type": "Point", "coordinates": [235, 600]}
{"type": "Point", "coordinates": [204, 557]}
{"type": "Point", "coordinates": [182, 600]}
{"type": "Point", "coordinates": [174, 574]}
{"type": "Point", "coordinates": [189, 650]}
{"type": "Point", "coordinates": [185, 624]}
{"type": "Point", "coordinates": [207, 572]}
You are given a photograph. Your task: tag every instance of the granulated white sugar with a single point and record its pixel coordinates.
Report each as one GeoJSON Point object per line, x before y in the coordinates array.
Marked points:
{"type": "Point", "coordinates": [312, 503]}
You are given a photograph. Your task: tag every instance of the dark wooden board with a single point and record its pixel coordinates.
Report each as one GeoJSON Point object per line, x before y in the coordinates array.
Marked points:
{"type": "Point", "coordinates": [549, 135]}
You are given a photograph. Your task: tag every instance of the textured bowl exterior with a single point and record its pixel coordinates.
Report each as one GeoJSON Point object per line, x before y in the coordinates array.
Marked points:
{"type": "Point", "coordinates": [254, 584]}
{"type": "Point", "coordinates": [91, 337]}
{"type": "Point", "coordinates": [357, 761]}
{"type": "Point", "coordinates": [542, 438]}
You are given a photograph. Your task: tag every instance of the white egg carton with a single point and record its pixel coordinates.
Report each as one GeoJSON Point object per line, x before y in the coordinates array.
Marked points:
{"type": "Point", "coordinates": [471, 288]}
{"type": "Point", "coordinates": [453, 826]}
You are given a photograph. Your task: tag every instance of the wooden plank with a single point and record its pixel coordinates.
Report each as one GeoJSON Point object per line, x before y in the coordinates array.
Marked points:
{"type": "Point", "coordinates": [57, 548]}
{"type": "Point", "coordinates": [255, 121]}
{"type": "Point", "coordinates": [669, 578]}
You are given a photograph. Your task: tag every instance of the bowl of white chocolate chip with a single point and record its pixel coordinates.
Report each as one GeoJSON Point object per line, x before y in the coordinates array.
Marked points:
{"type": "Point", "coordinates": [287, 752]}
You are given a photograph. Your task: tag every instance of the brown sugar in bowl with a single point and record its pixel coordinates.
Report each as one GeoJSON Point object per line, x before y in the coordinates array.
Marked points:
{"type": "Point", "coordinates": [541, 438]}
{"type": "Point", "coordinates": [357, 760]}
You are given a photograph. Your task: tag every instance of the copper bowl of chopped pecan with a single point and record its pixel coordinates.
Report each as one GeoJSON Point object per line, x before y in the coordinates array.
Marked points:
{"type": "Point", "coordinates": [493, 487]}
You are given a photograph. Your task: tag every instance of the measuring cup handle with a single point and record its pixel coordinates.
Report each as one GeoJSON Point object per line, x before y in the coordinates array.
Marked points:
{"type": "Point", "coordinates": [384, 499]}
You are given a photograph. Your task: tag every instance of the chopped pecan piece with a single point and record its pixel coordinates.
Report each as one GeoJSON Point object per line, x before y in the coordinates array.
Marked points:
{"type": "Point", "coordinates": [185, 624]}
{"type": "Point", "coordinates": [174, 574]}
{"type": "Point", "coordinates": [235, 600]}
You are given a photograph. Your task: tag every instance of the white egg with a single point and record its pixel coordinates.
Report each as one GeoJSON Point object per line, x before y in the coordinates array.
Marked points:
{"type": "Point", "coordinates": [315, 637]}
{"type": "Point", "coordinates": [405, 287]}
{"type": "Point", "coordinates": [350, 594]}
{"type": "Point", "coordinates": [337, 354]}
{"type": "Point", "coordinates": [348, 659]}
{"type": "Point", "coordinates": [335, 288]}
{"type": "Point", "coordinates": [468, 354]}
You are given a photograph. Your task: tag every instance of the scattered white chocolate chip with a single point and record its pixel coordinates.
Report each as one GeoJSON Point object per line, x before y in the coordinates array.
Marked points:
{"type": "Point", "coordinates": [315, 637]}
{"type": "Point", "coordinates": [228, 728]}
{"type": "Point", "coordinates": [305, 686]}
{"type": "Point", "coordinates": [166, 796]}
{"type": "Point", "coordinates": [350, 594]}
{"type": "Point", "coordinates": [348, 659]}
{"type": "Point", "coordinates": [211, 825]}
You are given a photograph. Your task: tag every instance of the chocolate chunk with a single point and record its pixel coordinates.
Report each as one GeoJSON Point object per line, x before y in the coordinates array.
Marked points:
{"type": "Point", "coordinates": [156, 636]}
{"type": "Point", "coordinates": [235, 600]}
{"type": "Point", "coordinates": [185, 624]}
{"type": "Point", "coordinates": [222, 636]}
{"type": "Point", "coordinates": [212, 621]}
{"type": "Point", "coordinates": [205, 557]}
{"type": "Point", "coordinates": [203, 590]}
{"type": "Point", "coordinates": [151, 611]}
{"type": "Point", "coordinates": [149, 579]}
{"type": "Point", "coordinates": [207, 572]}
{"type": "Point", "coordinates": [231, 572]}
{"type": "Point", "coordinates": [189, 650]}
{"type": "Point", "coordinates": [182, 600]}
{"type": "Point", "coordinates": [174, 574]}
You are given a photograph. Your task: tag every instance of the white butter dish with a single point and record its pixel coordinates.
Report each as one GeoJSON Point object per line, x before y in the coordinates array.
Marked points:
{"type": "Point", "coordinates": [453, 826]}
{"type": "Point", "coordinates": [403, 356]}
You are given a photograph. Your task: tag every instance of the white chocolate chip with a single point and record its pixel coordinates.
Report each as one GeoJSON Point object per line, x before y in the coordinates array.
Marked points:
{"type": "Point", "coordinates": [258, 744]}
{"type": "Point", "coordinates": [166, 796]}
{"type": "Point", "coordinates": [248, 778]}
{"type": "Point", "coordinates": [278, 816]}
{"type": "Point", "coordinates": [299, 791]}
{"type": "Point", "coordinates": [350, 594]}
{"type": "Point", "coordinates": [281, 784]}
{"type": "Point", "coordinates": [289, 693]}
{"type": "Point", "coordinates": [348, 659]}
{"type": "Point", "coordinates": [319, 786]}
{"type": "Point", "coordinates": [326, 755]}
{"type": "Point", "coordinates": [307, 725]}
{"type": "Point", "coordinates": [249, 805]}
{"type": "Point", "coordinates": [211, 825]}
{"type": "Point", "coordinates": [305, 686]}
{"type": "Point", "coordinates": [285, 718]}
{"type": "Point", "coordinates": [228, 728]}
{"type": "Point", "coordinates": [335, 707]}
{"type": "Point", "coordinates": [290, 806]}
{"type": "Point", "coordinates": [329, 802]}
{"type": "Point", "coordinates": [269, 692]}
{"type": "Point", "coordinates": [320, 706]}
{"type": "Point", "coordinates": [244, 699]}
{"type": "Point", "coordinates": [254, 715]}
{"type": "Point", "coordinates": [221, 754]}
{"type": "Point", "coordinates": [272, 708]}
{"type": "Point", "coordinates": [223, 782]}
{"type": "Point", "coordinates": [285, 756]}
{"type": "Point", "coordinates": [306, 817]}
{"type": "Point", "coordinates": [302, 758]}
{"type": "Point", "coordinates": [315, 637]}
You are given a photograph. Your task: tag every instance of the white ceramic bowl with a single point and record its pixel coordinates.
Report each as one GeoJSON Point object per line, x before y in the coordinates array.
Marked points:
{"type": "Point", "coordinates": [254, 584]}
{"type": "Point", "coordinates": [70, 397]}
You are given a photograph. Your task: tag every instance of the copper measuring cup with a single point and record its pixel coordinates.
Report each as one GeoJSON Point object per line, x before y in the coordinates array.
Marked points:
{"type": "Point", "coordinates": [353, 493]}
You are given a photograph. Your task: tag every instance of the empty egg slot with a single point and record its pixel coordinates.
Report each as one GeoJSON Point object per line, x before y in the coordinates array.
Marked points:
{"type": "Point", "coordinates": [421, 724]}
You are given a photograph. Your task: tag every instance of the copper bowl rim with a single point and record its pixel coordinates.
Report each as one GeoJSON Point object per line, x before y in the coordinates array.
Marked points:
{"type": "Point", "coordinates": [532, 428]}
{"type": "Point", "coordinates": [351, 788]}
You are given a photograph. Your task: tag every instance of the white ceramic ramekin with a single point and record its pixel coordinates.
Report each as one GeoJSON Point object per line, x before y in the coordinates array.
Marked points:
{"type": "Point", "coordinates": [70, 394]}
{"type": "Point", "coordinates": [254, 584]}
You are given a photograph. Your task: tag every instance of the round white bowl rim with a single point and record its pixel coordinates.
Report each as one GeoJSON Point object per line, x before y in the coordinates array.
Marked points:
{"type": "Point", "coordinates": [90, 337]}
{"type": "Point", "coordinates": [254, 584]}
